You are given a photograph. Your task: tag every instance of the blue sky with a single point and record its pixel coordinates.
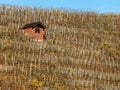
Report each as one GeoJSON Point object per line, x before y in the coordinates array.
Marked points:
{"type": "Point", "coordinates": [101, 6]}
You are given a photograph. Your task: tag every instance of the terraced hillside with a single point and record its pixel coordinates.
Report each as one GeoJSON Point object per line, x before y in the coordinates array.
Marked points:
{"type": "Point", "coordinates": [82, 53]}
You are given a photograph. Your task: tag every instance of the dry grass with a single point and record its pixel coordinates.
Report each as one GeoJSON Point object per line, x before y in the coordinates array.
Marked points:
{"type": "Point", "coordinates": [81, 51]}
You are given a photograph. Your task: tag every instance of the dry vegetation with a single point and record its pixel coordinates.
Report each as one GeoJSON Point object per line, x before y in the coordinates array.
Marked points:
{"type": "Point", "coordinates": [82, 50]}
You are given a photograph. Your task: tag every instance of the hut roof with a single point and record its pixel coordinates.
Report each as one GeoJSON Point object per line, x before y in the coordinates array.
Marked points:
{"type": "Point", "coordinates": [34, 24]}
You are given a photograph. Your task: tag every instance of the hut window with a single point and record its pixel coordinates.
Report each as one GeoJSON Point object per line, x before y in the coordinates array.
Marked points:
{"type": "Point", "coordinates": [37, 30]}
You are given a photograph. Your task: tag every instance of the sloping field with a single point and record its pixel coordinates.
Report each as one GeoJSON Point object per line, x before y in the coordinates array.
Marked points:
{"type": "Point", "coordinates": [72, 58]}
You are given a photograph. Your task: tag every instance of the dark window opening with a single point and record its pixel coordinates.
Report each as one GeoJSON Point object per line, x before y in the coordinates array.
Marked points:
{"type": "Point", "coordinates": [37, 30]}
{"type": "Point", "coordinates": [44, 37]}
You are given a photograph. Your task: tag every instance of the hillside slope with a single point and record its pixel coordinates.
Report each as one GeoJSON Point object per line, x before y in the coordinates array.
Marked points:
{"type": "Point", "coordinates": [81, 52]}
